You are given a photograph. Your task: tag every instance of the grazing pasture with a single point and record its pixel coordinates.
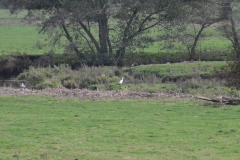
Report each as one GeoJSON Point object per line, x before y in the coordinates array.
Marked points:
{"type": "Point", "coordinates": [45, 127]}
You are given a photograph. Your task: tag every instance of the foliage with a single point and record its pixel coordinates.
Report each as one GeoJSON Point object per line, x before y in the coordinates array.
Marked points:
{"type": "Point", "coordinates": [189, 78]}
{"type": "Point", "coordinates": [64, 76]}
{"type": "Point", "coordinates": [230, 73]}
{"type": "Point", "coordinates": [203, 15]}
{"type": "Point", "coordinates": [25, 38]}
{"type": "Point", "coordinates": [229, 29]}
{"type": "Point", "coordinates": [108, 43]}
{"type": "Point", "coordinates": [15, 62]}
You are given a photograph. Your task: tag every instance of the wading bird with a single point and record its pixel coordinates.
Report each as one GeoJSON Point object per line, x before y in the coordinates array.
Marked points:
{"type": "Point", "coordinates": [23, 86]}
{"type": "Point", "coordinates": [121, 81]}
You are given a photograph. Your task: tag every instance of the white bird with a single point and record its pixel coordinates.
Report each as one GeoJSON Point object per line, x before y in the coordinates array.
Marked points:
{"type": "Point", "coordinates": [121, 81]}
{"type": "Point", "coordinates": [23, 85]}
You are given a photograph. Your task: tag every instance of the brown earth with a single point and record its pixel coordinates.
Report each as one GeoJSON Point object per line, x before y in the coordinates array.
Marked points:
{"type": "Point", "coordinates": [89, 94]}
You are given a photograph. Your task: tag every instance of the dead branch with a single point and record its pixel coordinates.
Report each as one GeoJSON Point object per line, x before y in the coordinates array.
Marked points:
{"type": "Point", "coordinates": [222, 99]}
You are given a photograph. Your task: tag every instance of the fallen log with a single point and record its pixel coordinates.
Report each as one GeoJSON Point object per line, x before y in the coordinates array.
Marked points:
{"type": "Point", "coordinates": [222, 100]}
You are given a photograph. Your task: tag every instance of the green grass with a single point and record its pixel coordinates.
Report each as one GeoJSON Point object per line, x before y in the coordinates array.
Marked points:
{"type": "Point", "coordinates": [22, 39]}
{"type": "Point", "coordinates": [44, 127]}
{"type": "Point", "coordinates": [179, 69]}
{"type": "Point", "coordinates": [210, 40]}
{"type": "Point", "coordinates": [215, 43]}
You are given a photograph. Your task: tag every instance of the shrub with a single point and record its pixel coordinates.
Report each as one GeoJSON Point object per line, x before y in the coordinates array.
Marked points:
{"type": "Point", "coordinates": [117, 72]}
{"type": "Point", "coordinates": [14, 63]}
{"type": "Point", "coordinates": [44, 85]}
{"type": "Point", "coordinates": [70, 84]}
{"type": "Point", "coordinates": [114, 86]}
{"type": "Point", "coordinates": [232, 74]}
{"type": "Point", "coordinates": [33, 76]}
{"type": "Point", "coordinates": [93, 87]}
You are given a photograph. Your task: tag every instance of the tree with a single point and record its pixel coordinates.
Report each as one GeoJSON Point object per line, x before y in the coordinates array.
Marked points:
{"type": "Point", "coordinates": [204, 13]}
{"type": "Point", "coordinates": [229, 28]}
{"type": "Point", "coordinates": [229, 10]}
{"type": "Point", "coordinates": [100, 32]}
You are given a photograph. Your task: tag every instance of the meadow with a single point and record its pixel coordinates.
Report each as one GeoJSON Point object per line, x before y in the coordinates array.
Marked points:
{"type": "Point", "coordinates": [45, 127]}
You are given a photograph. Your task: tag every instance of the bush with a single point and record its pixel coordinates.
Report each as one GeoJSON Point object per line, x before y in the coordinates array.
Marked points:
{"type": "Point", "coordinates": [70, 84]}
{"type": "Point", "coordinates": [114, 86]}
{"type": "Point", "coordinates": [232, 74]}
{"type": "Point", "coordinates": [14, 63]}
{"type": "Point", "coordinates": [64, 76]}
{"type": "Point", "coordinates": [44, 85]}
{"type": "Point", "coordinates": [33, 76]}
{"type": "Point", "coordinates": [93, 87]}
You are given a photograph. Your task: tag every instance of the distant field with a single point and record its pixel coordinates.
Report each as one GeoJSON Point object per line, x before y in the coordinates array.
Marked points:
{"type": "Point", "coordinates": [18, 36]}
{"type": "Point", "coordinates": [43, 127]}
{"type": "Point", "coordinates": [210, 41]}
{"type": "Point", "coordinates": [22, 38]}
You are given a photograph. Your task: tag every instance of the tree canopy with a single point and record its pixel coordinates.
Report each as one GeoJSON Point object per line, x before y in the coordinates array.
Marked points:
{"type": "Point", "coordinates": [101, 32]}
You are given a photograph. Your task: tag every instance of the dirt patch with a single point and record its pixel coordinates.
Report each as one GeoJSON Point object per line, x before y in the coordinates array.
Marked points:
{"type": "Point", "coordinates": [85, 93]}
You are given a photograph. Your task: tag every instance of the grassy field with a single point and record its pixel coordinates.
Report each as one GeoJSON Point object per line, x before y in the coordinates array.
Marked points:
{"type": "Point", "coordinates": [20, 36]}
{"type": "Point", "coordinates": [40, 127]}
{"type": "Point", "coordinates": [21, 39]}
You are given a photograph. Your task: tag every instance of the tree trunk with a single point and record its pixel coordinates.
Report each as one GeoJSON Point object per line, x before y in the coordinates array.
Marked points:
{"type": "Point", "coordinates": [120, 56]}
{"type": "Point", "coordinates": [193, 48]}
{"type": "Point", "coordinates": [222, 100]}
{"type": "Point", "coordinates": [79, 54]}
{"type": "Point", "coordinates": [121, 51]}
{"type": "Point", "coordinates": [103, 38]}
{"type": "Point", "coordinates": [236, 44]}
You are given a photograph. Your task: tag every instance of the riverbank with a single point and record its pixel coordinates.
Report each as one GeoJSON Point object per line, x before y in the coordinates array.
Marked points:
{"type": "Point", "coordinates": [90, 94]}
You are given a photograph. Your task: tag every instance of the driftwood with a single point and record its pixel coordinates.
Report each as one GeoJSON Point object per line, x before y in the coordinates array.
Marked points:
{"type": "Point", "coordinates": [222, 100]}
